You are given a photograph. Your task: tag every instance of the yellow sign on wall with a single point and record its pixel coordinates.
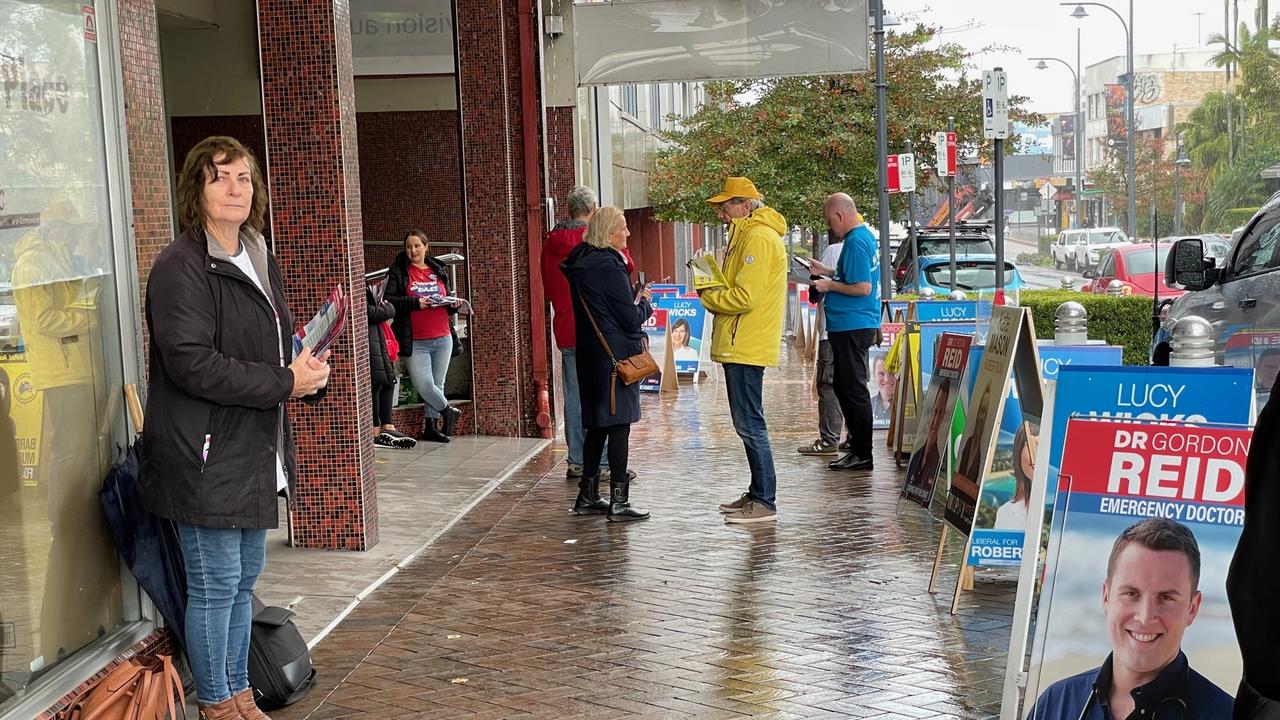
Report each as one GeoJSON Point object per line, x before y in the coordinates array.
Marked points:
{"type": "Point", "coordinates": [27, 413]}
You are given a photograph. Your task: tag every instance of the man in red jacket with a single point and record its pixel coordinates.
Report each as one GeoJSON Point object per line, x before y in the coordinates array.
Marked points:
{"type": "Point", "coordinates": [566, 235]}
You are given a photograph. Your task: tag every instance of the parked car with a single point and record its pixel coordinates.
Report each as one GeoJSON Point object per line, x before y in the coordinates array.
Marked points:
{"type": "Point", "coordinates": [1136, 267]}
{"type": "Point", "coordinates": [971, 239]}
{"type": "Point", "coordinates": [1240, 299]}
{"type": "Point", "coordinates": [973, 272]}
{"type": "Point", "coordinates": [10, 334]}
{"type": "Point", "coordinates": [1083, 248]}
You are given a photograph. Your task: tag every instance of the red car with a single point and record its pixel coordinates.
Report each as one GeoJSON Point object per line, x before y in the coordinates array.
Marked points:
{"type": "Point", "coordinates": [1136, 267]}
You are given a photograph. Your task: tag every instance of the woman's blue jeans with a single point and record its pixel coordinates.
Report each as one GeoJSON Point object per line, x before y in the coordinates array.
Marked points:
{"type": "Point", "coordinates": [222, 567]}
{"type": "Point", "coordinates": [427, 367]}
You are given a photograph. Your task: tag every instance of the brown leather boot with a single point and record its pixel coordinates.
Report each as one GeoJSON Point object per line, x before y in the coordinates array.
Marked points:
{"type": "Point", "coordinates": [247, 707]}
{"type": "Point", "coordinates": [225, 710]}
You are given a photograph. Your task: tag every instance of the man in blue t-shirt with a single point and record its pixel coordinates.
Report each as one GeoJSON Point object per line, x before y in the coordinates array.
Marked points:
{"type": "Point", "coordinates": [852, 307]}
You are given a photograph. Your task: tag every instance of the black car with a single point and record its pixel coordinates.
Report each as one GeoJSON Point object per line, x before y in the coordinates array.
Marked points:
{"type": "Point", "coordinates": [972, 238]}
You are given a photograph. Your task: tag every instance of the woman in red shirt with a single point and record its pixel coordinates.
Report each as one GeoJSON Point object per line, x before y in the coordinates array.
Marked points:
{"type": "Point", "coordinates": [417, 288]}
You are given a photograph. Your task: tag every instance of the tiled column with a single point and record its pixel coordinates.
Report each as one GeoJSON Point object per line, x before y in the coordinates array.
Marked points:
{"type": "Point", "coordinates": [309, 110]}
{"type": "Point", "coordinates": [497, 254]}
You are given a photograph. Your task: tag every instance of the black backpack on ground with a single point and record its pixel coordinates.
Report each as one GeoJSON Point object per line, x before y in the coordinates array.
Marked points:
{"type": "Point", "coordinates": [280, 669]}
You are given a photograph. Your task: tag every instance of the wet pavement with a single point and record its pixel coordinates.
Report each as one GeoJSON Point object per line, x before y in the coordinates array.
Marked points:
{"type": "Point", "coordinates": [523, 610]}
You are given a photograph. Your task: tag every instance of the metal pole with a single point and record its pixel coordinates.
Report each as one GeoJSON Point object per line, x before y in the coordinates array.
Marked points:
{"type": "Point", "coordinates": [911, 229]}
{"type": "Point", "coordinates": [1132, 139]}
{"type": "Point", "coordinates": [1079, 133]}
{"type": "Point", "coordinates": [1177, 187]}
{"type": "Point", "coordinates": [882, 154]}
{"type": "Point", "coordinates": [998, 161]}
{"type": "Point", "coordinates": [951, 207]}
{"type": "Point", "coordinates": [1155, 285]}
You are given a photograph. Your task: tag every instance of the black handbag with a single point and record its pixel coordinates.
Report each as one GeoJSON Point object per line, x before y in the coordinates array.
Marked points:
{"type": "Point", "coordinates": [280, 669]}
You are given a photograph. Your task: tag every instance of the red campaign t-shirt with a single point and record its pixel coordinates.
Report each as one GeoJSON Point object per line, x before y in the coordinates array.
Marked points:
{"type": "Point", "coordinates": [429, 323]}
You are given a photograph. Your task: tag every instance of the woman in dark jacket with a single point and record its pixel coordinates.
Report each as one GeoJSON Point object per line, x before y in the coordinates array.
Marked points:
{"type": "Point", "coordinates": [218, 445]}
{"type": "Point", "coordinates": [382, 374]}
{"type": "Point", "coordinates": [415, 286]}
{"type": "Point", "coordinates": [601, 291]}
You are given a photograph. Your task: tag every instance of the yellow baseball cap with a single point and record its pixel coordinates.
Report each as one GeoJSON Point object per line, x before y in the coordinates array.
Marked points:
{"type": "Point", "coordinates": [61, 210]}
{"type": "Point", "coordinates": [736, 187]}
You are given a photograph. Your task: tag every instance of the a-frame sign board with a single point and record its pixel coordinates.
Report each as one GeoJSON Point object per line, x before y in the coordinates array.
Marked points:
{"type": "Point", "coordinates": [1010, 356]}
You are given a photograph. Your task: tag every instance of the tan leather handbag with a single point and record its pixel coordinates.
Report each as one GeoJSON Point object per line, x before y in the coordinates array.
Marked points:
{"type": "Point", "coordinates": [141, 688]}
{"type": "Point", "coordinates": [630, 370]}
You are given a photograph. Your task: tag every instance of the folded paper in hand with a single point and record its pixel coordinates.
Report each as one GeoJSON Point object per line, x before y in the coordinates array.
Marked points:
{"type": "Point", "coordinates": [324, 328]}
{"type": "Point", "coordinates": [707, 273]}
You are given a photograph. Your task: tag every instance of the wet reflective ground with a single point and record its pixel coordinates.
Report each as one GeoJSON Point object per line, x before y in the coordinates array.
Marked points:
{"type": "Point", "coordinates": [524, 610]}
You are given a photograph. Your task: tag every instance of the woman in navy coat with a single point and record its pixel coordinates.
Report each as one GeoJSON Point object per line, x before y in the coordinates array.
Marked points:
{"type": "Point", "coordinates": [601, 290]}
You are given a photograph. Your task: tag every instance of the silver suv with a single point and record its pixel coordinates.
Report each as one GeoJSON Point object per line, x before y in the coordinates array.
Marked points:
{"type": "Point", "coordinates": [1241, 297]}
{"type": "Point", "coordinates": [1082, 249]}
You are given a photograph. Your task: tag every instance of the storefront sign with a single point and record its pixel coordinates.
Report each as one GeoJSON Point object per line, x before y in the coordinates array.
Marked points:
{"type": "Point", "coordinates": [402, 37]}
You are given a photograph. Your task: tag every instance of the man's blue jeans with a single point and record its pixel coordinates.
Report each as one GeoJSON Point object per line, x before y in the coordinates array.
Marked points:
{"type": "Point", "coordinates": [574, 434]}
{"type": "Point", "coordinates": [222, 567]}
{"type": "Point", "coordinates": [745, 384]}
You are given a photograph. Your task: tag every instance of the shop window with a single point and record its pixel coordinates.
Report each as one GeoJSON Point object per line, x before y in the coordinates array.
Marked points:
{"type": "Point", "coordinates": [60, 360]}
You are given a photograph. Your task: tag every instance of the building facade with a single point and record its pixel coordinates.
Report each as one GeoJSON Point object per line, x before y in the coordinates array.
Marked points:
{"type": "Point", "coordinates": [369, 118]}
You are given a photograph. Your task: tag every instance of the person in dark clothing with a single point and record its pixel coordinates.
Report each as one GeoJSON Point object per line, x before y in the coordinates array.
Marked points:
{"type": "Point", "coordinates": [605, 308]}
{"type": "Point", "coordinates": [1254, 577]}
{"type": "Point", "coordinates": [218, 444]}
{"type": "Point", "coordinates": [423, 327]}
{"type": "Point", "coordinates": [382, 374]}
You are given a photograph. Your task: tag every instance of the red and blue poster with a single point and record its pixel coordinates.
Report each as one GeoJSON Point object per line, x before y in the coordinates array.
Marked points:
{"type": "Point", "coordinates": [656, 330]}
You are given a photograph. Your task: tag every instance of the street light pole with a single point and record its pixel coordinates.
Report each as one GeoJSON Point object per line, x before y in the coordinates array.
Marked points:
{"type": "Point", "coordinates": [1078, 13]}
{"type": "Point", "coordinates": [1075, 131]}
{"type": "Point", "coordinates": [882, 153]}
{"type": "Point", "coordinates": [1180, 161]}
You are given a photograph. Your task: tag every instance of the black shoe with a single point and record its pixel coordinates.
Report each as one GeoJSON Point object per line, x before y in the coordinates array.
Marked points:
{"type": "Point", "coordinates": [589, 501]}
{"type": "Point", "coordinates": [620, 509]}
{"type": "Point", "coordinates": [573, 472]}
{"type": "Point", "coordinates": [450, 417]}
{"type": "Point", "coordinates": [845, 446]}
{"type": "Point", "coordinates": [400, 440]}
{"type": "Point", "coordinates": [607, 476]}
{"type": "Point", "coordinates": [431, 434]}
{"type": "Point", "coordinates": [851, 462]}
{"type": "Point", "coordinates": [384, 439]}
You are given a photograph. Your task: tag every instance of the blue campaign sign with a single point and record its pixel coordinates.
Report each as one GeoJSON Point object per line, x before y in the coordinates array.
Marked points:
{"type": "Point", "coordinates": [892, 308]}
{"type": "Point", "coordinates": [952, 310]}
{"type": "Point", "coordinates": [686, 321]}
{"type": "Point", "coordinates": [1000, 520]}
{"type": "Point", "coordinates": [668, 289]}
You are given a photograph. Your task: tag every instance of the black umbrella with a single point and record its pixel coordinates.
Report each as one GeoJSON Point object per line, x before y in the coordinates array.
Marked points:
{"type": "Point", "coordinates": [148, 544]}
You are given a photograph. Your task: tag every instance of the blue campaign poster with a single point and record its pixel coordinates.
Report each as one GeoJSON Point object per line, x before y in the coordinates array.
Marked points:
{"type": "Point", "coordinates": [656, 329]}
{"type": "Point", "coordinates": [1000, 521]}
{"type": "Point", "coordinates": [892, 308]}
{"type": "Point", "coordinates": [929, 335]}
{"type": "Point", "coordinates": [951, 310]}
{"type": "Point", "coordinates": [668, 289]}
{"type": "Point", "coordinates": [686, 320]}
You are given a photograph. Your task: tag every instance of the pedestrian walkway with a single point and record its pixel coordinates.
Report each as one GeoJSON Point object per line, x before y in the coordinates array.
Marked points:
{"type": "Point", "coordinates": [523, 610]}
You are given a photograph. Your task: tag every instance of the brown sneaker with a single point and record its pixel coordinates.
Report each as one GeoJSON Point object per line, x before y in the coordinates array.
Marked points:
{"type": "Point", "coordinates": [736, 505]}
{"type": "Point", "coordinates": [752, 512]}
{"type": "Point", "coordinates": [247, 708]}
{"type": "Point", "coordinates": [225, 710]}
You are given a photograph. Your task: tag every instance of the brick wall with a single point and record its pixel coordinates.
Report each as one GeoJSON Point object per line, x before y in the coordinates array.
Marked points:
{"type": "Point", "coordinates": [410, 174]}
{"type": "Point", "coordinates": [145, 129]}
{"type": "Point", "coordinates": [560, 160]}
{"type": "Point", "coordinates": [310, 120]}
{"type": "Point", "coordinates": [489, 103]}
{"type": "Point", "coordinates": [185, 132]}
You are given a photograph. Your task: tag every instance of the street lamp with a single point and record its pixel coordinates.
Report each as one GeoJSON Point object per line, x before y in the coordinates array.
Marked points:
{"type": "Point", "coordinates": [1181, 160]}
{"type": "Point", "coordinates": [1079, 13]}
{"type": "Point", "coordinates": [1078, 126]}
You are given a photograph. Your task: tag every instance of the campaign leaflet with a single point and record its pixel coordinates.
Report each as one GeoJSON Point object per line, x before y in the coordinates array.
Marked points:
{"type": "Point", "coordinates": [939, 406]}
{"type": "Point", "coordinates": [929, 334]}
{"type": "Point", "coordinates": [656, 330]}
{"type": "Point", "coordinates": [1115, 475]}
{"type": "Point", "coordinates": [1000, 523]}
{"type": "Point", "coordinates": [686, 321]}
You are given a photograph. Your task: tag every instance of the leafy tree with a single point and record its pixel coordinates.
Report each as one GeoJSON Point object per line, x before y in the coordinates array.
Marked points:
{"type": "Point", "coordinates": [800, 139]}
{"type": "Point", "coordinates": [1154, 184]}
{"type": "Point", "coordinates": [1238, 186]}
{"type": "Point", "coordinates": [1259, 86]}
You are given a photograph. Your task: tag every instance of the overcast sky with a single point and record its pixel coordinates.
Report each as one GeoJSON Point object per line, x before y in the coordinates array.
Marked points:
{"type": "Point", "coordinates": [1042, 28]}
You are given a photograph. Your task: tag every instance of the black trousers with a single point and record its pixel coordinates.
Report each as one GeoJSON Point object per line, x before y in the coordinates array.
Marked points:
{"type": "Point", "coordinates": [383, 395]}
{"type": "Point", "coordinates": [850, 349]}
{"type": "Point", "coordinates": [619, 437]}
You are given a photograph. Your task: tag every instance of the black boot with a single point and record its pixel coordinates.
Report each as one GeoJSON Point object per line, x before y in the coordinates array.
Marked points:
{"type": "Point", "coordinates": [619, 509]}
{"type": "Point", "coordinates": [430, 433]}
{"type": "Point", "coordinates": [449, 417]}
{"type": "Point", "coordinates": [589, 501]}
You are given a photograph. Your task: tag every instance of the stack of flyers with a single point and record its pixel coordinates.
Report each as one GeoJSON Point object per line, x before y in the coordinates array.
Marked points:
{"type": "Point", "coordinates": [325, 326]}
{"type": "Point", "coordinates": [707, 273]}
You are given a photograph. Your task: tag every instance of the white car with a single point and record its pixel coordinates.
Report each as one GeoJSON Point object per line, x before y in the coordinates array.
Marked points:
{"type": "Point", "coordinates": [1083, 249]}
{"type": "Point", "coordinates": [10, 335]}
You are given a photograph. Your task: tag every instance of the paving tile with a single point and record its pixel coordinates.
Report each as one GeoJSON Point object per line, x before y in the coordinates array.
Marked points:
{"type": "Point", "coordinates": [823, 614]}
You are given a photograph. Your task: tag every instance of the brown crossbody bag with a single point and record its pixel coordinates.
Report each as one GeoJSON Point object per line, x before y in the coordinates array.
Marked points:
{"type": "Point", "coordinates": [631, 370]}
